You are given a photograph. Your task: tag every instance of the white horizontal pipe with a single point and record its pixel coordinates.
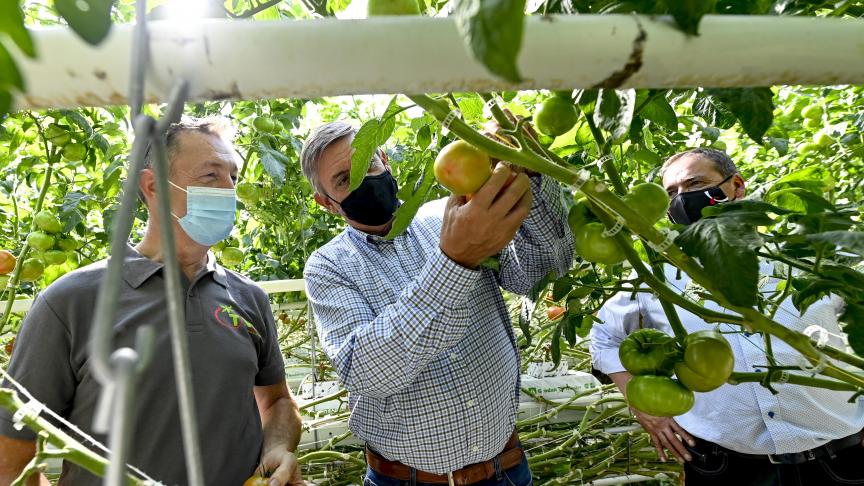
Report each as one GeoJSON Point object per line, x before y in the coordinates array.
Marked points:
{"type": "Point", "coordinates": [253, 60]}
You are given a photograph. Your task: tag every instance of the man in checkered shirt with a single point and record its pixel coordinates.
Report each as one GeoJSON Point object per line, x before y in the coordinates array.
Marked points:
{"type": "Point", "coordinates": [417, 330]}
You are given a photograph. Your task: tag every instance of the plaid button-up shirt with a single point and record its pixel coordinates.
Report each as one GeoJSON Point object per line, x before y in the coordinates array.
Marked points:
{"type": "Point", "coordinates": [425, 346]}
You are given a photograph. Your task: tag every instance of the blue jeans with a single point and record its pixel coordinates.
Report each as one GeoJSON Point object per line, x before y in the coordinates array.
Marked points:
{"type": "Point", "coordinates": [519, 475]}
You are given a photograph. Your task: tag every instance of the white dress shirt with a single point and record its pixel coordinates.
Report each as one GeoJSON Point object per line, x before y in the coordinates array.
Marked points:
{"type": "Point", "coordinates": [746, 418]}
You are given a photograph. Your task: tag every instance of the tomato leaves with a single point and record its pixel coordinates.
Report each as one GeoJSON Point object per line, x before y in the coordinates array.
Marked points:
{"type": "Point", "coordinates": [12, 24]}
{"type": "Point", "coordinates": [614, 111]}
{"type": "Point", "coordinates": [752, 107]}
{"type": "Point", "coordinates": [274, 162]}
{"type": "Point", "coordinates": [371, 135]}
{"type": "Point", "coordinates": [90, 19]}
{"type": "Point", "coordinates": [688, 13]}
{"type": "Point", "coordinates": [492, 30]}
{"type": "Point", "coordinates": [726, 248]}
{"type": "Point", "coordinates": [406, 212]}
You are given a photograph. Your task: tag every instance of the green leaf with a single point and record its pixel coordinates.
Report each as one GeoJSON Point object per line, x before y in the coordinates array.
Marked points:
{"type": "Point", "coordinates": [658, 111]}
{"type": "Point", "coordinates": [571, 322]}
{"type": "Point", "coordinates": [424, 137]}
{"type": "Point", "coordinates": [406, 212]}
{"type": "Point", "coordinates": [9, 75]}
{"type": "Point", "coordinates": [853, 318]}
{"type": "Point", "coordinates": [274, 162]}
{"type": "Point", "coordinates": [12, 24]}
{"type": "Point", "coordinates": [726, 248]}
{"type": "Point", "coordinates": [816, 179]}
{"type": "Point", "coordinates": [800, 200]}
{"type": "Point", "coordinates": [811, 289]}
{"type": "Point", "coordinates": [471, 107]}
{"type": "Point", "coordinates": [492, 30]}
{"type": "Point", "coordinates": [688, 13]}
{"type": "Point", "coordinates": [713, 112]}
{"type": "Point", "coordinates": [748, 211]}
{"type": "Point", "coordinates": [364, 144]}
{"type": "Point", "coordinates": [852, 241]}
{"type": "Point", "coordinates": [5, 101]}
{"type": "Point", "coordinates": [371, 135]}
{"type": "Point", "coordinates": [556, 344]}
{"type": "Point", "coordinates": [614, 111]}
{"type": "Point", "coordinates": [753, 107]}
{"type": "Point", "coordinates": [92, 23]}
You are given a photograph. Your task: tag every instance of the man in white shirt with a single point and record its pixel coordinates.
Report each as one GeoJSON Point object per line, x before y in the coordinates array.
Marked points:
{"type": "Point", "coordinates": [739, 434]}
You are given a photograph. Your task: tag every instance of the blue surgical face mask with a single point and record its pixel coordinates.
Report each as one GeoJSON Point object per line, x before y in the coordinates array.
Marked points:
{"type": "Point", "coordinates": [210, 213]}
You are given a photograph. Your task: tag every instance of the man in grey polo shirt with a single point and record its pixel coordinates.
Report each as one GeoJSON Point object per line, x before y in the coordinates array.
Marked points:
{"type": "Point", "coordinates": [246, 414]}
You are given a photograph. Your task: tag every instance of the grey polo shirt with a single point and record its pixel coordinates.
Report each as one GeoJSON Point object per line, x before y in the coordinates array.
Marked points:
{"type": "Point", "coordinates": [233, 347]}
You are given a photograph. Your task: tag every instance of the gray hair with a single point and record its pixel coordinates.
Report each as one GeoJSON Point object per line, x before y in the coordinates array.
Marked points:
{"type": "Point", "coordinates": [315, 145]}
{"type": "Point", "coordinates": [722, 162]}
{"type": "Point", "coordinates": [212, 125]}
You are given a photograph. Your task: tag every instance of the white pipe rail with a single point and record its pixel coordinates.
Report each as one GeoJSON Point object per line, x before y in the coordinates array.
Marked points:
{"type": "Point", "coordinates": [252, 60]}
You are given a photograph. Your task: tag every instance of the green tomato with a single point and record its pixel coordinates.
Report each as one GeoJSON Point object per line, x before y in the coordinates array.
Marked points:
{"type": "Point", "coordinates": [46, 221]}
{"type": "Point", "coordinates": [31, 270]}
{"type": "Point", "coordinates": [812, 123]}
{"type": "Point", "coordinates": [264, 124]}
{"type": "Point", "coordinates": [594, 247]}
{"type": "Point", "coordinates": [649, 352]}
{"type": "Point", "coordinates": [708, 361]}
{"type": "Point", "coordinates": [376, 8]}
{"type": "Point", "coordinates": [812, 112]}
{"type": "Point", "coordinates": [74, 152]}
{"type": "Point", "coordinates": [231, 256]}
{"type": "Point", "coordinates": [649, 200]}
{"type": "Point", "coordinates": [55, 257]}
{"type": "Point", "coordinates": [68, 244]}
{"type": "Point", "coordinates": [57, 135]}
{"type": "Point", "coordinates": [580, 215]}
{"type": "Point", "coordinates": [248, 193]}
{"type": "Point", "coordinates": [40, 241]}
{"type": "Point", "coordinates": [719, 145]}
{"type": "Point", "coordinates": [710, 133]}
{"type": "Point", "coordinates": [822, 139]}
{"type": "Point", "coordinates": [659, 396]}
{"type": "Point", "coordinates": [556, 116]}
{"type": "Point", "coordinates": [808, 148]}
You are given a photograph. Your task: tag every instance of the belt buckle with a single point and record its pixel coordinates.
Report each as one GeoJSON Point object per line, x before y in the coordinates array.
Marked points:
{"type": "Point", "coordinates": [773, 459]}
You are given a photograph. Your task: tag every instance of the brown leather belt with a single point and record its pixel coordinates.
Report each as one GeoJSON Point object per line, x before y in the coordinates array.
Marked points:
{"type": "Point", "coordinates": [510, 457]}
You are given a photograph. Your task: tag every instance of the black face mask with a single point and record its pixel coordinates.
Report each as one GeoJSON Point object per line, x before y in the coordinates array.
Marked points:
{"type": "Point", "coordinates": [686, 207]}
{"type": "Point", "coordinates": [373, 202]}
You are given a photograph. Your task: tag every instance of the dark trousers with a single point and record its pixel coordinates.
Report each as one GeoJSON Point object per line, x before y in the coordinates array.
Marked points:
{"type": "Point", "coordinates": [519, 475]}
{"type": "Point", "coordinates": [713, 465]}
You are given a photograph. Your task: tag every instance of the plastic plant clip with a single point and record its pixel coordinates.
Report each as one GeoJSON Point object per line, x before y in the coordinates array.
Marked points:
{"type": "Point", "coordinates": [445, 124]}
{"type": "Point", "coordinates": [33, 408]}
{"type": "Point", "coordinates": [667, 242]}
{"type": "Point", "coordinates": [582, 177]}
{"type": "Point", "coordinates": [615, 229]}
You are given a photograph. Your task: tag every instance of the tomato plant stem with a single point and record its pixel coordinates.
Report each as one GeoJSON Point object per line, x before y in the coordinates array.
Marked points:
{"type": "Point", "coordinates": [738, 377]}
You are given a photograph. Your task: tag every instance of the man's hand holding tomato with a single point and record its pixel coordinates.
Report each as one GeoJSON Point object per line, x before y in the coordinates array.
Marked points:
{"type": "Point", "coordinates": [477, 229]}
{"type": "Point", "coordinates": [664, 431]}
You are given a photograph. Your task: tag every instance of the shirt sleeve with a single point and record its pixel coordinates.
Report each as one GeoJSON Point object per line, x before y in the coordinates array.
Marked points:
{"type": "Point", "coordinates": [381, 355]}
{"type": "Point", "coordinates": [544, 242]}
{"type": "Point", "coordinates": [271, 368]}
{"type": "Point", "coordinates": [620, 316]}
{"type": "Point", "coordinates": [41, 362]}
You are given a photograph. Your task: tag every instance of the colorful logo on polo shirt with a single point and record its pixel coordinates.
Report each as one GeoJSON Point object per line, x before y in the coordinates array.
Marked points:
{"type": "Point", "coordinates": [228, 317]}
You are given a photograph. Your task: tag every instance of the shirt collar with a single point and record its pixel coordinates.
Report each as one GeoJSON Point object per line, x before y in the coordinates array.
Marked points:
{"type": "Point", "coordinates": [373, 240]}
{"type": "Point", "coordinates": [137, 268]}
